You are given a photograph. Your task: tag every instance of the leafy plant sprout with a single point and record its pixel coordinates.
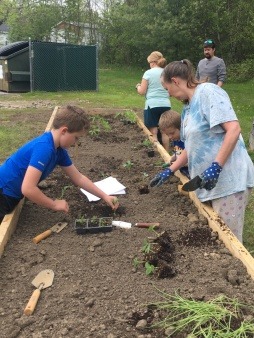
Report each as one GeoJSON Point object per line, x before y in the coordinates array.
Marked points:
{"type": "Point", "coordinates": [64, 190]}
{"type": "Point", "coordinates": [217, 318]}
{"type": "Point", "coordinates": [128, 116]}
{"type": "Point", "coordinates": [81, 219]}
{"type": "Point", "coordinates": [128, 165]}
{"type": "Point", "coordinates": [136, 262]}
{"type": "Point", "coordinates": [147, 143]}
{"type": "Point", "coordinates": [146, 247]}
{"type": "Point", "coordinates": [150, 268]}
{"type": "Point", "coordinates": [98, 123]}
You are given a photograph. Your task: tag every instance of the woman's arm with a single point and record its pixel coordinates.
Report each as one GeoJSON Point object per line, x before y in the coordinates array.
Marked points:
{"type": "Point", "coordinates": [142, 87]}
{"type": "Point", "coordinates": [233, 130]}
{"type": "Point", "coordinates": [181, 161]}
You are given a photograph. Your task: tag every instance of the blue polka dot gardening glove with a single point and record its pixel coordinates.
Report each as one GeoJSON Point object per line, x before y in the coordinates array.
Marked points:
{"type": "Point", "coordinates": [161, 178]}
{"type": "Point", "coordinates": [210, 176]}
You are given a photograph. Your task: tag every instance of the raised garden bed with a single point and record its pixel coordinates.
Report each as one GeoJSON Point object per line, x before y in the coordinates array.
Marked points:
{"type": "Point", "coordinates": [98, 290]}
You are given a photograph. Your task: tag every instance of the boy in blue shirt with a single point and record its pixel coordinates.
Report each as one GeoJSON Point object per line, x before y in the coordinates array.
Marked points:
{"type": "Point", "coordinates": [170, 124]}
{"type": "Point", "coordinates": [34, 161]}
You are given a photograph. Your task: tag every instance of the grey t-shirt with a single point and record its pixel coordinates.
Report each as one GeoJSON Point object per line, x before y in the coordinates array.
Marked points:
{"type": "Point", "coordinates": [211, 70]}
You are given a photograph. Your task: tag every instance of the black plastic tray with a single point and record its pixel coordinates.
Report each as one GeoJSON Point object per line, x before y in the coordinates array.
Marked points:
{"type": "Point", "coordinates": [90, 226]}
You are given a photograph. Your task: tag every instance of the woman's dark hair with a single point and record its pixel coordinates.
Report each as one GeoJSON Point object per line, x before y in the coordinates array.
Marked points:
{"type": "Point", "coordinates": [182, 69]}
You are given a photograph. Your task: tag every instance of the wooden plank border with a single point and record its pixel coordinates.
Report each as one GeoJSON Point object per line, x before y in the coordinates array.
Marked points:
{"type": "Point", "coordinates": [215, 222]}
{"type": "Point", "coordinates": [10, 221]}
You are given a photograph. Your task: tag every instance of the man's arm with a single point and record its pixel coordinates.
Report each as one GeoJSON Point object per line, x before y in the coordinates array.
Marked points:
{"type": "Point", "coordinates": [221, 73]}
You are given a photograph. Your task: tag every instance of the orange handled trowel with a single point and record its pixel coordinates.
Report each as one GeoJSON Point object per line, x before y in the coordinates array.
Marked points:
{"type": "Point", "coordinates": [55, 228]}
{"type": "Point", "coordinates": [43, 280]}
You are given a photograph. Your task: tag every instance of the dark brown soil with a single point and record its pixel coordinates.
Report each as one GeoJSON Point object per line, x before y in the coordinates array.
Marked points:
{"type": "Point", "coordinates": [97, 289]}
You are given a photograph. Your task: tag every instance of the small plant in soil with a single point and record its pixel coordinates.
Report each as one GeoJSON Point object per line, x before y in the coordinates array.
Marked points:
{"type": "Point", "coordinates": [221, 317]}
{"type": "Point", "coordinates": [98, 123]}
{"type": "Point", "coordinates": [149, 268]}
{"type": "Point", "coordinates": [147, 247]}
{"type": "Point", "coordinates": [143, 189]}
{"type": "Point", "coordinates": [64, 190]}
{"type": "Point", "coordinates": [128, 117]}
{"type": "Point", "coordinates": [128, 165]}
{"type": "Point", "coordinates": [158, 255]}
{"type": "Point", "coordinates": [147, 143]}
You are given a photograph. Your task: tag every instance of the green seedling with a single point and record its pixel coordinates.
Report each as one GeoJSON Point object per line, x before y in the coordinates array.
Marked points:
{"type": "Point", "coordinates": [81, 219]}
{"type": "Point", "coordinates": [115, 201]}
{"type": "Point", "coordinates": [128, 116]}
{"type": "Point", "coordinates": [150, 268]}
{"type": "Point", "coordinates": [147, 143]}
{"type": "Point", "coordinates": [146, 247]}
{"type": "Point", "coordinates": [98, 123]}
{"type": "Point", "coordinates": [136, 262]}
{"type": "Point", "coordinates": [128, 165]}
{"type": "Point", "coordinates": [94, 131]}
{"type": "Point", "coordinates": [64, 190]}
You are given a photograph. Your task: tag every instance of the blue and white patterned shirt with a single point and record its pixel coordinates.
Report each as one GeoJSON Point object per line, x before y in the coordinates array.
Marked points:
{"type": "Point", "coordinates": [202, 134]}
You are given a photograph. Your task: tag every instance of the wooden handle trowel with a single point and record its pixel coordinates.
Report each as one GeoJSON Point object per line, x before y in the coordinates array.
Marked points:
{"type": "Point", "coordinates": [43, 280]}
{"type": "Point", "coordinates": [55, 228]}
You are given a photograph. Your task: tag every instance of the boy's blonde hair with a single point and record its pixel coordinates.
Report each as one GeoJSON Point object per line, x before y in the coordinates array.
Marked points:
{"type": "Point", "coordinates": [74, 118]}
{"type": "Point", "coordinates": [169, 119]}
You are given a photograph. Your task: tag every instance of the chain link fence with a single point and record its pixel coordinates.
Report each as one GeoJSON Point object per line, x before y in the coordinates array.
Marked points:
{"type": "Point", "coordinates": [48, 66]}
{"type": "Point", "coordinates": [63, 67]}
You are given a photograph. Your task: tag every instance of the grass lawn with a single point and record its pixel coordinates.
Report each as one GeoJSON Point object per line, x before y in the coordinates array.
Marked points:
{"type": "Point", "coordinates": [117, 90]}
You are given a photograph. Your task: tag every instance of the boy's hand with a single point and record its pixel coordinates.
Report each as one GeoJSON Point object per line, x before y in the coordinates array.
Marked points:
{"type": "Point", "coordinates": [60, 205]}
{"type": "Point", "coordinates": [161, 178]}
{"type": "Point", "coordinates": [112, 201]}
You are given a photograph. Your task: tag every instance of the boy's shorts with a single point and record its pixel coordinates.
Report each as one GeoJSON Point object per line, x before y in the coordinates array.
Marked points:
{"type": "Point", "coordinates": [152, 116]}
{"type": "Point", "coordinates": [7, 204]}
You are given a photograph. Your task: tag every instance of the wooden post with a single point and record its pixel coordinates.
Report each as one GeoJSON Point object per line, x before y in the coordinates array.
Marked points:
{"type": "Point", "coordinates": [215, 222]}
{"type": "Point", "coordinates": [9, 223]}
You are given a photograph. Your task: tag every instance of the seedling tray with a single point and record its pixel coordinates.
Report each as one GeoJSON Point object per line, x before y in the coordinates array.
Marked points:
{"type": "Point", "coordinates": [93, 226]}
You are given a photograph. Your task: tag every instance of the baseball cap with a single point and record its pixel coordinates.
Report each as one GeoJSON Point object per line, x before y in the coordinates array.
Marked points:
{"type": "Point", "coordinates": [209, 43]}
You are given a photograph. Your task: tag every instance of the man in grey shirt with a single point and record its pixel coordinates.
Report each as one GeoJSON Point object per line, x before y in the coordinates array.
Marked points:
{"type": "Point", "coordinates": [211, 68]}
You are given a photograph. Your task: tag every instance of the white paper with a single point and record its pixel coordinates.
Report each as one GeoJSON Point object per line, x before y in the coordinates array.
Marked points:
{"type": "Point", "coordinates": [109, 185]}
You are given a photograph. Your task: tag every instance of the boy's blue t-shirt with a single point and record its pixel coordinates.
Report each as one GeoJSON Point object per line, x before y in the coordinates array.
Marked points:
{"type": "Point", "coordinates": [39, 153]}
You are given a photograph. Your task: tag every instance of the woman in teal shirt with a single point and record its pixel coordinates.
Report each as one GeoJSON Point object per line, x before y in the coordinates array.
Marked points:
{"type": "Point", "coordinates": [157, 98]}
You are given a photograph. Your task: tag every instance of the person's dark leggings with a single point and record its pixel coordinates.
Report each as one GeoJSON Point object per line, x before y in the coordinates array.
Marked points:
{"type": "Point", "coordinates": [7, 204]}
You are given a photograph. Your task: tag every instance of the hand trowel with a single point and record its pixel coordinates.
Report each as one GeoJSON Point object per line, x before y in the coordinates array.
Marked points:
{"type": "Point", "coordinates": [126, 225]}
{"type": "Point", "coordinates": [55, 228]}
{"type": "Point", "coordinates": [192, 184]}
{"type": "Point", "coordinates": [43, 280]}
